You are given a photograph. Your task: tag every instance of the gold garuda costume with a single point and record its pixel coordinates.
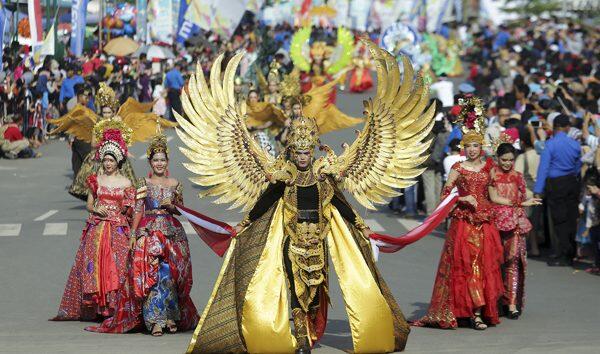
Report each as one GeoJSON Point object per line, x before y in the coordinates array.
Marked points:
{"type": "Point", "coordinates": [298, 217]}
{"type": "Point", "coordinates": [133, 119]}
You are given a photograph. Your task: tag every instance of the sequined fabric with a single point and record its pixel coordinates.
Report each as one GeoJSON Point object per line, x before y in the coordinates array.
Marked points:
{"type": "Point", "coordinates": [468, 275]}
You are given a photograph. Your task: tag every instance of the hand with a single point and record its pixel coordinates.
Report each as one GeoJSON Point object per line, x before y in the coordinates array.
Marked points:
{"type": "Point", "coordinates": [594, 190]}
{"type": "Point", "coordinates": [469, 199]}
{"type": "Point", "coordinates": [238, 228]}
{"type": "Point", "coordinates": [101, 211]}
{"type": "Point", "coordinates": [132, 241]}
{"type": "Point", "coordinates": [367, 232]}
{"type": "Point", "coordinates": [532, 202]}
{"type": "Point", "coordinates": [537, 196]}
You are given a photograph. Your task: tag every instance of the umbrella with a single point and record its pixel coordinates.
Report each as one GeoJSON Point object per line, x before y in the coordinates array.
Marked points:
{"type": "Point", "coordinates": [158, 52]}
{"type": "Point", "coordinates": [121, 46]}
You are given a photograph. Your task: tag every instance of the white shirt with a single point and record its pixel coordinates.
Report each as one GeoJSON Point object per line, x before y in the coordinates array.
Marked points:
{"type": "Point", "coordinates": [444, 91]}
{"type": "Point", "coordinates": [449, 161]}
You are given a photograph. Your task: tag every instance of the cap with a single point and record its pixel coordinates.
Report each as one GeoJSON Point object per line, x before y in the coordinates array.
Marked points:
{"type": "Point", "coordinates": [465, 87]}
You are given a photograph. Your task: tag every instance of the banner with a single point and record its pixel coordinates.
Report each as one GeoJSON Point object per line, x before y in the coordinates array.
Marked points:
{"type": "Point", "coordinates": [160, 21]}
{"type": "Point", "coordinates": [185, 28]}
{"type": "Point", "coordinates": [78, 21]}
{"type": "Point", "coordinates": [219, 16]}
{"type": "Point", "coordinates": [2, 23]}
{"type": "Point", "coordinates": [48, 44]}
{"type": "Point", "coordinates": [34, 11]}
{"type": "Point", "coordinates": [359, 14]}
{"type": "Point", "coordinates": [141, 21]}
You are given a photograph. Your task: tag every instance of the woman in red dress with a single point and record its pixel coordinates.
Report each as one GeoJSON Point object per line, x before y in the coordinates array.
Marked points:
{"type": "Point", "coordinates": [101, 261]}
{"type": "Point", "coordinates": [507, 191]}
{"type": "Point", "coordinates": [469, 281]}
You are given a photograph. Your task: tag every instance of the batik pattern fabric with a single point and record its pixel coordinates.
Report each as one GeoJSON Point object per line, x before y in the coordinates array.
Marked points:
{"type": "Point", "coordinates": [101, 260]}
{"type": "Point", "coordinates": [513, 225]}
{"type": "Point", "coordinates": [79, 188]}
{"type": "Point", "coordinates": [469, 275]}
{"type": "Point", "coordinates": [160, 281]}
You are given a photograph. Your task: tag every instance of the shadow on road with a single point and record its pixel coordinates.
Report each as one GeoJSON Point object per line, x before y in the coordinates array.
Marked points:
{"type": "Point", "coordinates": [420, 311]}
{"type": "Point", "coordinates": [337, 335]}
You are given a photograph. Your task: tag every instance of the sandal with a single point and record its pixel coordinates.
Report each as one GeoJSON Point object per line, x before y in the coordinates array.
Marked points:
{"type": "Point", "coordinates": [172, 327]}
{"type": "Point", "coordinates": [593, 270]}
{"type": "Point", "coordinates": [478, 324]}
{"type": "Point", "coordinates": [513, 315]}
{"type": "Point", "coordinates": [157, 331]}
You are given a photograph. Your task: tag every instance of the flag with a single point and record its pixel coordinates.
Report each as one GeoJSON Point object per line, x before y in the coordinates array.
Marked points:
{"type": "Point", "coordinates": [141, 22]}
{"type": "Point", "coordinates": [185, 28]}
{"type": "Point", "coordinates": [391, 244]}
{"type": "Point", "coordinates": [78, 21]}
{"type": "Point", "coordinates": [48, 44]}
{"type": "Point", "coordinates": [219, 16]}
{"type": "Point", "coordinates": [216, 234]}
{"type": "Point", "coordinates": [34, 11]}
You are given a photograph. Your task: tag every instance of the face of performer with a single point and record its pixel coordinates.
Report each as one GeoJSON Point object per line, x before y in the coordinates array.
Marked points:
{"type": "Point", "coordinates": [109, 164]}
{"type": "Point", "coordinates": [159, 163]}
{"type": "Point", "coordinates": [237, 88]}
{"type": "Point", "coordinates": [273, 87]}
{"type": "Point", "coordinates": [107, 112]}
{"type": "Point", "coordinates": [253, 97]}
{"type": "Point", "coordinates": [473, 150]}
{"type": "Point", "coordinates": [506, 161]}
{"type": "Point", "coordinates": [302, 158]}
{"type": "Point", "coordinates": [287, 105]}
{"type": "Point", "coordinates": [296, 109]}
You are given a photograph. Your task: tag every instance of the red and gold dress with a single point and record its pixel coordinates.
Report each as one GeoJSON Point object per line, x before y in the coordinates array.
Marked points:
{"type": "Point", "coordinates": [513, 225]}
{"type": "Point", "coordinates": [101, 260]}
{"type": "Point", "coordinates": [469, 275]}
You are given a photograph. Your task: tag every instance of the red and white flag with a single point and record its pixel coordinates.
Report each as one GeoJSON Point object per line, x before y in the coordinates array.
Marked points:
{"type": "Point", "coordinates": [391, 244]}
{"type": "Point", "coordinates": [216, 234]}
{"type": "Point", "coordinates": [35, 22]}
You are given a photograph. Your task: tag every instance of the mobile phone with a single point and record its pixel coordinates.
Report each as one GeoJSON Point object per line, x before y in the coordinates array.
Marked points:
{"type": "Point", "coordinates": [535, 124]}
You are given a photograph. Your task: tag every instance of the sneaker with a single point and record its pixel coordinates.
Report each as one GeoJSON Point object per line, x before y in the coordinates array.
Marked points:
{"type": "Point", "coordinates": [10, 155]}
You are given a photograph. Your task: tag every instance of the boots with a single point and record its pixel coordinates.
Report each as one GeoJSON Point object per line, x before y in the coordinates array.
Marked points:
{"type": "Point", "coordinates": [301, 330]}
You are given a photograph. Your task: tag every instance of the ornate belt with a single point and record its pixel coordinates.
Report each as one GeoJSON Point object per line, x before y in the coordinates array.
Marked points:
{"type": "Point", "coordinates": [308, 215]}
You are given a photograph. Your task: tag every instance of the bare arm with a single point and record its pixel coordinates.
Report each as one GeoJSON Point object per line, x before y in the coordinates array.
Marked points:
{"type": "Point", "coordinates": [496, 198]}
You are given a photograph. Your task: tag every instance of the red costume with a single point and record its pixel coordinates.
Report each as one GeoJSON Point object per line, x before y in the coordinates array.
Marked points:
{"type": "Point", "coordinates": [468, 275]}
{"type": "Point", "coordinates": [513, 225]}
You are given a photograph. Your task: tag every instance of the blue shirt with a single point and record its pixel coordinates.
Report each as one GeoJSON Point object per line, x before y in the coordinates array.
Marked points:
{"type": "Point", "coordinates": [561, 157]}
{"type": "Point", "coordinates": [456, 133]}
{"type": "Point", "coordinates": [67, 88]}
{"type": "Point", "coordinates": [174, 80]}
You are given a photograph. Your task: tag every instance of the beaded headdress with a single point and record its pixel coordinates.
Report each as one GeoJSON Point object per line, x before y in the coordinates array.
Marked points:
{"type": "Point", "coordinates": [102, 126]}
{"type": "Point", "coordinates": [273, 75]}
{"type": "Point", "coordinates": [304, 134]}
{"type": "Point", "coordinates": [112, 143]}
{"type": "Point", "coordinates": [106, 97]}
{"type": "Point", "coordinates": [157, 144]}
{"type": "Point", "coordinates": [472, 120]}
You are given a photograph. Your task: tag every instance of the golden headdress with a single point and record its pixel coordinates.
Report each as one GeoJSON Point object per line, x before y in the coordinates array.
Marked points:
{"type": "Point", "coordinates": [273, 75]}
{"type": "Point", "coordinates": [157, 144]}
{"type": "Point", "coordinates": [304, 134]}
{"type": "Point", "coordinates": [104, 125]}
{"type": "Point", "coordinates": [471, 117]}
{"type": "Point", "coordinates": [320, 50]}
{"type": "Point", "coordinates": [106, 97]}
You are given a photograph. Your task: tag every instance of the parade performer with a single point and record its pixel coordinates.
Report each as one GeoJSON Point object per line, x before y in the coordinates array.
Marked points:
{"type": "Point", "coordinates": [469, 280]}
{"type": "Point", "coordinates": [360, 79]}
{"type": "Point", "coordinates": [133, 119]}
{"type": "Point", "coordinates": [316, 60]}
{"type": "Point", "coordinates": [158, 292]}
{"type": "Point", "coordinates": [101, 260]}
{"type": "Point", "coordinates": [507, 191]}
{"type": "Point", "coordinates": [299, 217]}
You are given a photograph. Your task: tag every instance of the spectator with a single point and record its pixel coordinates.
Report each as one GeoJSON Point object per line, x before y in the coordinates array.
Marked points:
{"type": "Point", "coordinates": [174, 83]}
{"type": "Point", "coordinates": [13, 143]}
{"type": "Point", "coordinates": [557, 178]}
{"type": "Point", "coordinates": [453, 157]}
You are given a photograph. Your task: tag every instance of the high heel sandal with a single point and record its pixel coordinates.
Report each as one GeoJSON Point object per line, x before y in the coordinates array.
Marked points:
{"type": "Point", "coordinates": [172, 327]}
{"type": "Point", "coordinates": [513, 315]}
{"type": "Point", "coordinates": [157, 331]}
{"type": "Point", "coordinates": [478, 324]}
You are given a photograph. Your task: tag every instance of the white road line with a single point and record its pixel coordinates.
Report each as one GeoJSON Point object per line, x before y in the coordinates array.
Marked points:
{"type": "Point", "coordinates": [55, 229]}
{"type": "Point", "coordinates": [408, 223]}
{"type": "Point", "coordinates": [375, 226]}
{"type": "Point", "coordinates": [46, 215]}
{"type": "Point", "coordinates": [169, 138]}
{"type": "Point", "coordinates": [10, 229]}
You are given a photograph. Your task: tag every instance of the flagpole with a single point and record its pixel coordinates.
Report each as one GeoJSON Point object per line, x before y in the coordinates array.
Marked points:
{"type": "Point", "coordinates": [100, 25]}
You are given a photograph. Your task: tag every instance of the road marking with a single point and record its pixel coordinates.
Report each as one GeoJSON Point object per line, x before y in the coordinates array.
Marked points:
{"type": "Point", "coordinates": [375, 226]}
{"type": "Point", "coordinates": [408, 223]}
{"type": "Point", "coordinates": [46, 215]}
{"type": "Point", "coordinates": [10, 229]}
{"type": "Point", "coordinates": [169, 138]}
{"type": "Point", "coordinates": [5, 168]}
{"type": "Point", "coordinates": [55, 229]}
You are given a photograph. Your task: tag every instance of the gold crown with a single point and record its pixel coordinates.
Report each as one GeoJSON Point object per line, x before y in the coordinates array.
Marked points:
{"type": "Point", "coordinates": [106, 124]}
{"type": "Point", "coordinates": [106, 97]}
{"type": "Point", "coordinates": [290, 86]}
{"type": "Point", "coordinates": [320, 49]}
{"type": "Point", "coordinates": [273, 75]}
{"type": "Point", "coordinates": [157, 144]}
{"type": "Point", "coordinates": [304, 134]}
{"type": "Point", "coordinates": [113, 148]}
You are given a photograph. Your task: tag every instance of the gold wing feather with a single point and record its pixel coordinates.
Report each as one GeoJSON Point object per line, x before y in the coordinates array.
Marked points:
{"type": "Point", "coordinates": [79, 122]}
{"type": "Point", "coordinates": [222, 153]}
{"type": "Point", "coordinates": [262, 112]}
{"type": "Point", "coordinates": [263, 85]}
{"type": "Point", "coordinates": [133, 106]}
{"type": "Point", "coordinates": [143, 123]}
{"type": "Point", "coordinates": [326, 114]}
{"type": "Point", "coordinates": [393, 143]}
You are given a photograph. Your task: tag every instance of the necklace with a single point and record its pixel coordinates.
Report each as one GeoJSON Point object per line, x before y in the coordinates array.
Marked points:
{"type": "Point", "coordinates": [305, 178]}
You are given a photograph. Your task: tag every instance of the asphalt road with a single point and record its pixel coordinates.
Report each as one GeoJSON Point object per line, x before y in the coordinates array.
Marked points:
{"type": "Point", "coordinates": [40, 227]}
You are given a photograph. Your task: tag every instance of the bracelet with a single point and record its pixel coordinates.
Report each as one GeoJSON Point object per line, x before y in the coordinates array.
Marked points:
{"type": "Point", "coordinates": [360, 224]}
{"type": "Point", "coordinates": [245, 222]}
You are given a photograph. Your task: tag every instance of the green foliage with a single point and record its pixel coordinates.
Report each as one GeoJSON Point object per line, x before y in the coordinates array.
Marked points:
{"type": "Point", "coordinates": [533, 7]}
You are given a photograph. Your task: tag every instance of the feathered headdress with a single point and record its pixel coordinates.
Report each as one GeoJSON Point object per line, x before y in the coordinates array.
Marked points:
{"type": "Point", "coordinates": [157, 144]}
{"type": "Point", "coordinates": [304, 134]}
{"type": "Point", "coordinates": [112, 143]}
{"type": "Point", "coordinates": [106, 97]}
{"type": "Point", "coordinates": [472, 120]}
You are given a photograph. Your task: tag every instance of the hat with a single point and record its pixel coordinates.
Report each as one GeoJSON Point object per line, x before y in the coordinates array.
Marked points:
{"type": "Point", "coordinates": [465, 87]}
{"type": "Point", "coordinates": [551, 118]}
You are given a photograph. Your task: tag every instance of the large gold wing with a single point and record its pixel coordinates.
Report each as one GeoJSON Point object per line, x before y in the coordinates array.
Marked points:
{"type": "Point", "coordinates": [222, 153]}
{"type": "Point", "coordinates": [328, 117]}
{"type": "Point", "coordinates": [143, 123]}
{"type": "Point", "coordinates": [79, 122]}
{"type": "Point", "coordinates": [393, 143]}
{"type": "Point", "coordinates": [260, 113]}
